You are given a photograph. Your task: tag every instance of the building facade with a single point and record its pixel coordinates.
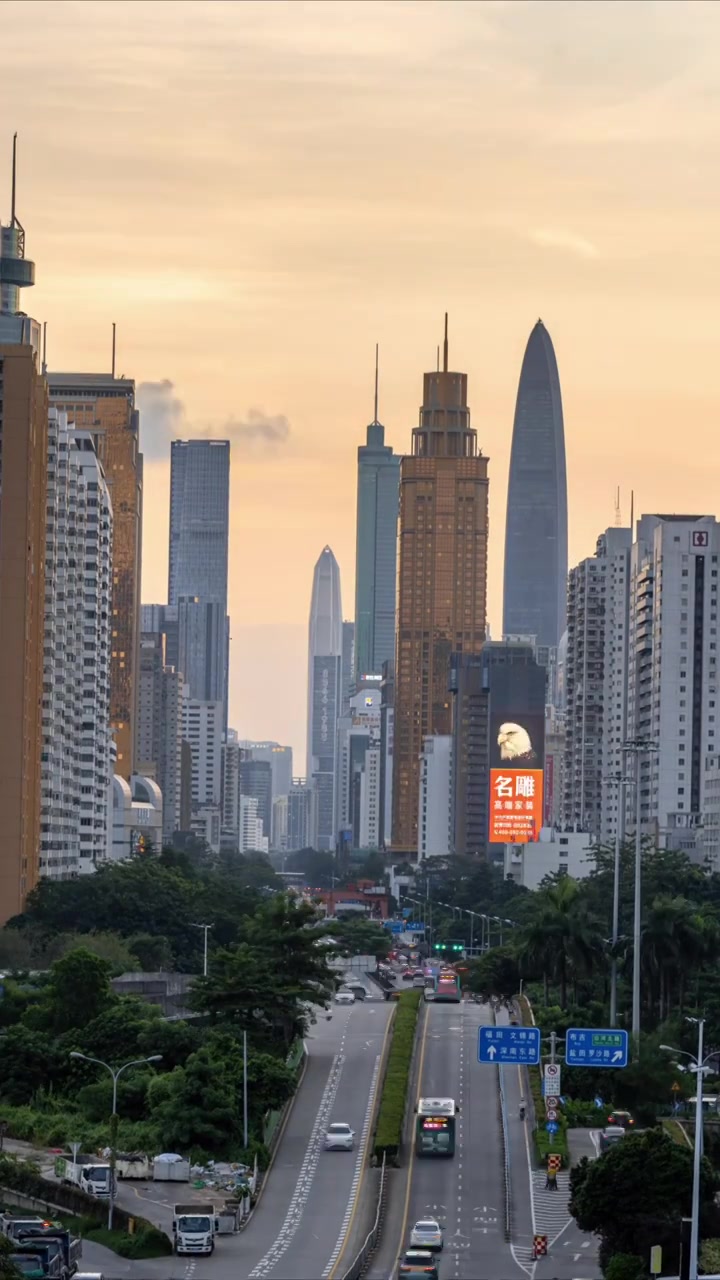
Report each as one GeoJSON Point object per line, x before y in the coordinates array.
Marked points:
{"type": "Point", "coordinates": [301, 816]}
{"type": "Point", "coordinates": [536, 557]}
{"type": "Point", "coordinates": [435, 805]}
{"type": "Point", "coordinates": [347, 679]}
{"type": "Point", "coordinates": [104, 406]}
{"type": "Point", "coordinates": [198, 563]}
{"type": "Point", "coordinates": [203, 730]}
{"type": "Point", "coordinates": [137, 820]}
{"type": "Point", "coordinates": [23, 483]}
{"type": "Point", "coordinates": [160, 721]}
{"type": "Point", "coordinates": [442, 582]}
{"type": "Point", "coordinates": [255, 778]}
{"type": "Point", "coordinates": [325, 669]}
{"type": "Point", "coordinates": [378, 498]}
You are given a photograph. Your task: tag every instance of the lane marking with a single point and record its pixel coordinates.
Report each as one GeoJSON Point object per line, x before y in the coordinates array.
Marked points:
{"type": "Point", "coordinates": [306, 1176]}
{"type": "Point", "coordinates": [418, 1096]}
{"type": "Point", "coordinates": [358, 1176]}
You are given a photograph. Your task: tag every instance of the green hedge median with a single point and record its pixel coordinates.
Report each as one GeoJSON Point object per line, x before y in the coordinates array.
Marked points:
{"type": "Point", "coordinates": [545, 1143]}
{"type": "Point", "coordinates": [388, 1134]}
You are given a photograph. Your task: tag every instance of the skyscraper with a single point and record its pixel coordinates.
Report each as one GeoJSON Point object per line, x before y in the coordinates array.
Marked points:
{"type": "Point", "coordinates": [198, 566]}
{"type": "Point", "coordinates": [23, 483]}
{"type": "Point", "coordinates": [536, 556]}
{"type": "Point", "coordinates": [105, 406]}
{"type": "Point", "coordinates": [378, 486]}
{"type": "Point", "coordinates": [442, 578]}
{"type": "Point", "coordinates": [325, 646]}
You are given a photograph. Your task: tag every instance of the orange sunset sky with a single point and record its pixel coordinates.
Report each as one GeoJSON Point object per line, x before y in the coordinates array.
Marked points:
{"type": "Point", "coordinates": [257, 193]}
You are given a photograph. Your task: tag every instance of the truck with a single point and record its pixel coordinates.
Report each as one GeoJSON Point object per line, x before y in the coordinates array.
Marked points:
{"type": "Point", "coordinates": [58, 1239]}
{"type": "Point", "coordinates": [12, 1226]}
{"type": "Point", "coordinates": [133, 1165]}
{"type": "Point", "coordinates": [94, 1179]}
{"type": "Point", "coordinates": [36, 1264]}
{"type": "Point", "coordinates": [194, 1227]}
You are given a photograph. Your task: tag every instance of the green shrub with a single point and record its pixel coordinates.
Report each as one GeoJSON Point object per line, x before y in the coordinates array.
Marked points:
{"type": "Point", "coordinates": [625, 1266]}
{"type": "Point", "coordinates": [710, 1257]}
{"type": "Point", "coordinates": [388, 1134]}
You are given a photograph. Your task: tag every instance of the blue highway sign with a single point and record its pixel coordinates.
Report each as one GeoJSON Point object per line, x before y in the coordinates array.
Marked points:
{"type": "Point", "coordinates": [415, 926]}
{"type": "Point", "coordinates": [552, 1126]}
{"type": "Point", "coordinates": [596, 1047]}
{"type": "Point", "coordinates": [395, 926]}
{"type": "Point", "coordinates": [509, 1044]}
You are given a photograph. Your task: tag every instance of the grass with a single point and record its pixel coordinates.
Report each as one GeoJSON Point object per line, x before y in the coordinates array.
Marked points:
{"type": "Point", "coordinates": [676, 1131]}
{"type": "Point", "coordinates": [388, 1134]}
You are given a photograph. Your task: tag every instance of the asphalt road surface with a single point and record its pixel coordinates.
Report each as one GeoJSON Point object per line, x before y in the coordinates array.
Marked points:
{"type": "Point", "coordinates": [464, 1193]}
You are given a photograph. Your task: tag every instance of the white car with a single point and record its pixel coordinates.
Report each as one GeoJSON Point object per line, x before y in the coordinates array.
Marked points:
{"type": "Point", "coordinates": [344, 997]}
{"type": "Point", "coordinates": [339, 1137]}
{"type": "Point", "coordinates": [426, 1234]}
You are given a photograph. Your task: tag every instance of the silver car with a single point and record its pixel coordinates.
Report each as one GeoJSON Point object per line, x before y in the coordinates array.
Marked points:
{"type": "Point", "coordinates": [339, 1137]}
{"type": "Point", "coordinates": [610, 1137]}
{"type": "Point", "coordinates": [426, 1234]}
{"type": "Point", "coordinates": [344, 997]}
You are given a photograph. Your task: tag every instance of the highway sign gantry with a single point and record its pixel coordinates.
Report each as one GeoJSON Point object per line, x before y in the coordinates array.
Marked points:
{"type": "Point", "coordinates": [520, 1045]}
{"type": "Point", "coordinates": [596, 1047]}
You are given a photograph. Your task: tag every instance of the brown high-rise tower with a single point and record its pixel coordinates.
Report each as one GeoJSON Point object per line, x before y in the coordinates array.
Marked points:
{"type": "Point", "coordinates": [442, 577]}
{"type": "Point", "coordinates": [105, 405]}
{"type": "Point", "coordinates": [23, 488]}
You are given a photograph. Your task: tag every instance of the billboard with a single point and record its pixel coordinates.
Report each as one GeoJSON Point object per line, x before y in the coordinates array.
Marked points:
{"type": "Point", "coordinates": [517, 793]}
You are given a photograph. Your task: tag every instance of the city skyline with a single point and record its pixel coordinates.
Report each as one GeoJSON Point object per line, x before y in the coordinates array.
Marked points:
{"type": "Point", "coordinates": [568, 216]}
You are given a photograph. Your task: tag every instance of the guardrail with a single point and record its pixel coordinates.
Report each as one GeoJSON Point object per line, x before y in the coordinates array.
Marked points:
{"type": "Point", "coordinates": [360, 1262]}
{"type": "Point", "coordinates": [506, 1155]}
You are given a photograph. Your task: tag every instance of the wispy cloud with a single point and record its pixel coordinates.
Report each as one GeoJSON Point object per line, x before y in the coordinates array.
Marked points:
{"type": "Point", "coordinates": [163, 418]}
{"type": "Point", "coordinates": [566, 241]}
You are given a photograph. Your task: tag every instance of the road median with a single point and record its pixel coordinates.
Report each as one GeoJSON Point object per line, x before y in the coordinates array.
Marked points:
{"type": "Point", "coordinates": [393, 1099]}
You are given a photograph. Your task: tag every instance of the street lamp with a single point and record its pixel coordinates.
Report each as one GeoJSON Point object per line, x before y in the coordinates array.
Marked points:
{"type": "Point", "coordinates": [617, 780]}
{"type": "Point", "coordinates": [637, 747]}
{"type": "Point", "coordinates": [115, 1072]}
{"type": "Point", "coordinates": [205, 928]}
{"type": "Point", "coordinates": [700, 1067]}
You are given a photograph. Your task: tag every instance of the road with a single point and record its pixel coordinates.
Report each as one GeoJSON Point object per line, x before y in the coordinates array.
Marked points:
{"type": "Point", "coordinates": [466, 1193]}
{"type": "Point", "coordinates": [306, 1209]}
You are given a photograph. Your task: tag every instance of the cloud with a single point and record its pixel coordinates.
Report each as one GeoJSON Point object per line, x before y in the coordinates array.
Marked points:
{"type": "Point", "coordinates": [163, 418]}
{"type": "Point", "coordinates": [551, 238]}
{"type": "Point", "coordinates": [258, 428]}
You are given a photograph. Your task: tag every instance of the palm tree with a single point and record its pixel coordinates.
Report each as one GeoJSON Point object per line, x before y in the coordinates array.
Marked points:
{"type": "Point", "coordinates": [562, 939]}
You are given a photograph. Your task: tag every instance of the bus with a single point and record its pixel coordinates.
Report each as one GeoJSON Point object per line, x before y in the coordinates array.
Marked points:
{"type": "Point", "coordinates": [435, 1133]}
{"type": "Point", "coordinates": [447, 988]}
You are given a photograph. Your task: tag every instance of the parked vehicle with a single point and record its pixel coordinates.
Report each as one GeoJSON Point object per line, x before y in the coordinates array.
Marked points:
{"type": "Point", "coordinates": [36, 1264]}
{"type": "Point", "coordinates": [194, 1227]}
{"type": "Point", "coordinates": [93, 1178]}
{"type": "Point", "coordinates": [12, 1226]}
{"type": "Point", "coordinates": [59, 1241]}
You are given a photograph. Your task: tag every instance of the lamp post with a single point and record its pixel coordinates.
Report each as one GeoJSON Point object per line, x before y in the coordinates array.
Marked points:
{"type": "Point", "coordinates": [617, 780]}
{"type": "Point", "coordinates": [700, 1067]}
{"type": "Point", "coordinates": [205, 928]}
{"type": "Point", "coordinates": [115, 1072]}
{"type": "Point", "coordinates": [637, 747]}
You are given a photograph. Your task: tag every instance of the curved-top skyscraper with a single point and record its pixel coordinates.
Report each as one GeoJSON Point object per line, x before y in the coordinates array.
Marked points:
{"type": "Point", "coordinates": [325, 647]}
{"type": "Point", "coordinates": [536, 554]}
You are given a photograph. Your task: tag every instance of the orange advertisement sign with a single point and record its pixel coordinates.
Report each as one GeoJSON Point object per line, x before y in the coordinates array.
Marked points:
{"type": "Point", "coordinates": [516, 805]}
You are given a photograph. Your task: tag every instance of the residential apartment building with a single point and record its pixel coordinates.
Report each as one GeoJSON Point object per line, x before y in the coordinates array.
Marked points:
{"type": "Point", "coordinates": [435, 808]}
{"type": "Point", "coordinates": [203, 730]}
{"type": "Point", "coordinates": [160, 726]}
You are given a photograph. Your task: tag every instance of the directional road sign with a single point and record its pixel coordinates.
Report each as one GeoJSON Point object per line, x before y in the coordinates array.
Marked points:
{"type": "Point", "coordinates": [509, 1044]}
{"type": "Point", "coordinates": [395, 926]}
{"type": "Point", "coordinates": [552, 1126]}
{"type": "Point", "coordinates": [591, 1047]}
{"type": "Point", "coordinates": [415, 926]}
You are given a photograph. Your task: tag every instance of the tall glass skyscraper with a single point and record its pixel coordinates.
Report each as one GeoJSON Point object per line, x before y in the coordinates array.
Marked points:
{"type": "Point", "coordinates": [536, 555]}
{"type": "Point", "coordinates": [198, 570]}
{"type": "Point", "coordinates": [325, 647]}
{"type": "Point", "coordinates": [378, 499]}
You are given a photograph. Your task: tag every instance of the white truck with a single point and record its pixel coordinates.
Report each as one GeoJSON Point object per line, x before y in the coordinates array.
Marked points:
{"type": "Point", "coordinates": [194, 1227]}
{"type": "Point", "coordinates": [94, 1179]}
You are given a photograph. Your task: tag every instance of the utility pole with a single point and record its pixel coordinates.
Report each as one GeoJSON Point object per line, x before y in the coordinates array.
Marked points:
{"type": "Point", "coordinates": [553, 1047]}
{"type": "Point", "coordinates": [638, 747]}
{"type": "Point", "coordinates": [245, 1092]}
{"type": "Point", "coordinates": [205, 928]}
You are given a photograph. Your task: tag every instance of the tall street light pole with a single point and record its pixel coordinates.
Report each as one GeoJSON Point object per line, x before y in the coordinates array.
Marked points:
{"type": "Point", "coordinates": [115, 1072]}
{"type": "Point", "coordinates": [700, 1067]}
{"type": "Point", "coordinates": [637, 747]}
{"type": "Point", "coordinates": [205, 928]}
{"type": "Point", "coordinates": [617, 780]}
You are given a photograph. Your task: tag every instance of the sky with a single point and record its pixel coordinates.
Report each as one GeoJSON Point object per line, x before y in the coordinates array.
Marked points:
{"type": "Point", "coordinates": [257, 193]}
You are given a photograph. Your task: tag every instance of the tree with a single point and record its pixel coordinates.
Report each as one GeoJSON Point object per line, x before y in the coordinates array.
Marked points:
{"type": "Point", "coordinates": [360, 937]}
{"type": "Point", "coordinates": [635, 1195]}
{"type": "Point", "coordinates": [28, 1062]}
{"type": "Point", "coordinates": [320, 869]}
{"type": "Point", "coordinates": [496, 974]}
{"type": "Point", "coordinates": [196, 1105]}
{"type": "Point", "coordinates": [562, 938]}
{"type": "Point", "coordinates": [78, 992]}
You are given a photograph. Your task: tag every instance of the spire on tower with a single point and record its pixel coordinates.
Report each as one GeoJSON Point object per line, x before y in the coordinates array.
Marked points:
{"type": "Point", "coordinates": [445, 348]}
{"type": "Point", "coordinates": [377, 350]}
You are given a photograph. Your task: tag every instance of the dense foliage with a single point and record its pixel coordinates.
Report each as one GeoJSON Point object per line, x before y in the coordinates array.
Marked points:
{"type": "Point", "coordinates": [391, 1113]}
{"type": "Point", "coordinates": [268, 969]}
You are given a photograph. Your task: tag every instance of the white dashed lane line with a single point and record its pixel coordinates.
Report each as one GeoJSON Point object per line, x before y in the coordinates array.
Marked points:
{"type": "Point", "coordinates": [360, 1160]}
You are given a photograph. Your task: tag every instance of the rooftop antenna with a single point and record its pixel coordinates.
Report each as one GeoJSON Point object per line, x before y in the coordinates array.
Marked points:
{"type": "Point", "coordinates": [438, 359]}
{"type": "Point", "coordinates": [377, 350]}
{"type": "Point", "coordinates": [113, 351]}
{"type": "Point", "coordinates": [445, 347]}
{"type": "Point", "coordinates": [14, 220]}
{"type": "Point", "coordinates": [44, 356]}
{"type": "Point", "coordinates": [618, 513]}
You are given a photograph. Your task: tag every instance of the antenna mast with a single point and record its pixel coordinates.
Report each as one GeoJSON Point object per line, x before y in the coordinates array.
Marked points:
{"type": "Point", "coordinates": [113, 351]}
{"type": "Point", "coordinates": [618, 513]}
{"type": "Point", "coordinates": [377, 349]}
{"type": "Point", "coordinates": [445, 347]}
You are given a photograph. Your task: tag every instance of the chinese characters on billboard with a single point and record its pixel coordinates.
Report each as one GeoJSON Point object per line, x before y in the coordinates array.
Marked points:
{"type": "Point", "coordinates": [516, 778]}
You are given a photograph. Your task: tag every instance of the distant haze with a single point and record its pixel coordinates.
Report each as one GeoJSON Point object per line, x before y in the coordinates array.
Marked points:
{"type": "Point", "coordinates": [258, 193]}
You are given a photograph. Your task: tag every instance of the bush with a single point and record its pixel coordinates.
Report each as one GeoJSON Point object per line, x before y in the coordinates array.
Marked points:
{"type": "Point", "coordinates": [625, 1266]}
{"type": "Point", "coordinates": [388, 1134]}
{"type": "Point", "coordinates": [710, 1257]}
